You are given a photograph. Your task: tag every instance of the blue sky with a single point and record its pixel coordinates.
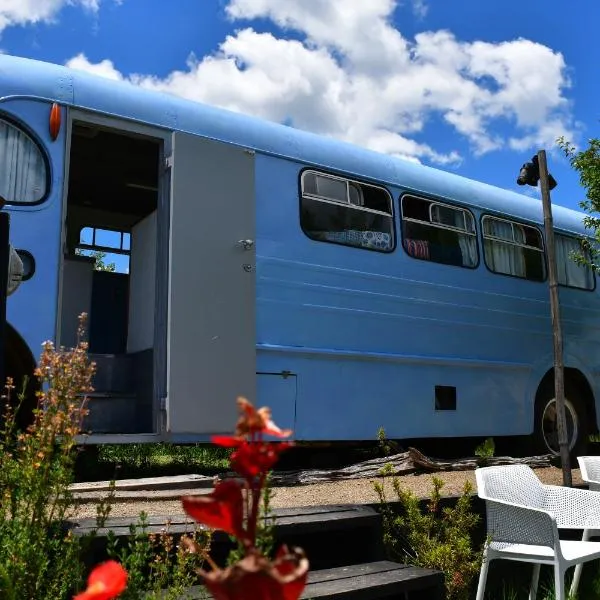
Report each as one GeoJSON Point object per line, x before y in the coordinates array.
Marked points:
{"type": "Point", "coordinates": [468, 86]}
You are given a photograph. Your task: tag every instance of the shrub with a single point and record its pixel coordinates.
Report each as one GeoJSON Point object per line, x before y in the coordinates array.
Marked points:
{"type": "Point", "coordinates": [436, 538]}
{"type": "Point", "coordinates": [39, 558]}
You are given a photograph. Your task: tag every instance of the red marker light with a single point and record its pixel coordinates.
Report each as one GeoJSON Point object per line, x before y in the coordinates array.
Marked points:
{"type": "Point", "coordinates": [55, 120]}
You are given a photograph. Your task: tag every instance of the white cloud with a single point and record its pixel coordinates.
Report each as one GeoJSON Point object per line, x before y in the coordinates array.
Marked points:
{"type": "Point", "coordinates": [104, 68]}
{"type": "Point", "coordinates": [420, 8]}
{"type": "Point", "coordinates": [362, 81]}
{"type": "Point", "coordinates": [23, 12]}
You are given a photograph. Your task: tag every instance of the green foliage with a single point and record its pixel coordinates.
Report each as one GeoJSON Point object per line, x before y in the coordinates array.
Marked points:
{"type": "Point", "coordinates": [486, 449]}
{"type": "Point", "coordinates": [386, 447]}
{"type": "Point", "coordinates": [100, 258]}
{"type": "Point", "coordinates": [587, 164]}
{"type": "Point", "coordinates": [265, 530]}
{"type": "Point", "coordinates": [163, 457]}
{"type": "Point", "coordinates": [437, 538]}
{"type": "Point", "coordinates": [157, 567]}
{"type": "Point", "coordinates": [40, 558]}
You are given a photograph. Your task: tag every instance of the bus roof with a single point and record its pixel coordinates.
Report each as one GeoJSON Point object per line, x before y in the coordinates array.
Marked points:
{"type": "Point", "coordinates": [26, 77]}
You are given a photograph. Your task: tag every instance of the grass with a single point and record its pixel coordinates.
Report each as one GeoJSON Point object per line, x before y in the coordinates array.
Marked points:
{"type": "Point", "coordinates": [123, 461]}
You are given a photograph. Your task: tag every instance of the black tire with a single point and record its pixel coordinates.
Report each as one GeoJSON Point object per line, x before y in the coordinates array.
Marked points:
{"type": "Point", "coordinates": [545, 435]}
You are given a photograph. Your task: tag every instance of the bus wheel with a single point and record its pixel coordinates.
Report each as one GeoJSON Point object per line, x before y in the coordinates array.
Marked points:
{"type": "Point", "coordinates": [546, 422]}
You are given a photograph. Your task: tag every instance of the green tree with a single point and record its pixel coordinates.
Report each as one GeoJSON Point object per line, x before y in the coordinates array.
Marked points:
{"type": "Point", "coordinates": [100, 257]}
{"type": "Point", "coordinates": [587, 164]}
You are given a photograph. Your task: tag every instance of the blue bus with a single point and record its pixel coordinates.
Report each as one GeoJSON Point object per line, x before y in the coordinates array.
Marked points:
{"type": "Point", "coordinates": [346, 289]}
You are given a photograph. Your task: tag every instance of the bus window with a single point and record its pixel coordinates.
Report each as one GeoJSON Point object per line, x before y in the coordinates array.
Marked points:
{"type": "Point", "coordinates": [439, 232]}
{"type": "Point", "coordinates": [23, 170]}
{"type": "Point", "coordinates": [571, 274]}
{"type": "Point", "coordinates": [338, 210]}
{"type": "Point", "coordinates": [513, 249]}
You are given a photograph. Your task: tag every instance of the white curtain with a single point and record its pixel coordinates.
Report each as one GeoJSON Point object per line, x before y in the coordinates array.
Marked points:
{"type": "Point", "coordinates": [22, 167]}
{"type": "Point", "coordinates": [468, 243]}
{"type": "Point", "coordinates": [569, 272]}
{"type": "Point", "coordinates": [504, 257]}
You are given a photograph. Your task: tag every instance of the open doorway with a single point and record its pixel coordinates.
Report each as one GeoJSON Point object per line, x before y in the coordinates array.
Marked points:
{"type": "Point", "coordinates": [109, 270]}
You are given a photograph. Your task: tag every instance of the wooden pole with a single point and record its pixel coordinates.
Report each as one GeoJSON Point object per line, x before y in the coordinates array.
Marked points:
{"type": "Point", "coordinates": [559, 379]}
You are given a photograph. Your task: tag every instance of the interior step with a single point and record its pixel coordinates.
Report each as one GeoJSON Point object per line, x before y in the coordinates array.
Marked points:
{"type": "Point", "coordinates": [114, 372]}
{"type": "Point", "coordinates": [114, 412]}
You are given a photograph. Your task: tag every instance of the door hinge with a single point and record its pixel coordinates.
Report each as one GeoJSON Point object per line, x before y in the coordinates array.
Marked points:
{"type": "Point", "coordinates": [168, 164]}
{"type": "Point", "coordinates": [163, 403]}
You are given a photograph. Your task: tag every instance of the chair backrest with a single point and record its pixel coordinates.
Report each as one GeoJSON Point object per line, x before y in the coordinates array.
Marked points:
{"type": "Point", "coordinates": [590, 470]}
{"type": "Point", "coordinates": [517, 484]}
{"type": "Point", "coordinates": [515, 521]}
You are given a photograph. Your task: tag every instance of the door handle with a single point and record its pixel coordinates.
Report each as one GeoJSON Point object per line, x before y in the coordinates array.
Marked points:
{"type": "Point", "coordinates": [246, 244]}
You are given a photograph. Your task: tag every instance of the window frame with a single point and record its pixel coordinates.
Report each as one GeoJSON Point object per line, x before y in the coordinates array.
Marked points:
{"type": "Point", "coordinates": [435, 202]}
{"type": "Point", "coordinates": [503, 241]}
{"type": "Point", "coordinates": [348, 205]}
{"type": "Point", "coordinates": [108, 249]}
{"type": "Point", "coordinates": [573, 236]}
{"type": "Point", "coordinates": [36, 140]}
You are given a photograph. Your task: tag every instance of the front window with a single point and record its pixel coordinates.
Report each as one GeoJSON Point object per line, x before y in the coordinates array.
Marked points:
{"type": "Point", "coordinates": [23, 170]}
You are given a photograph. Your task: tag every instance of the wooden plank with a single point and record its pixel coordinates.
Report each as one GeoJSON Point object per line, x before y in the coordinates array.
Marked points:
{"type": "Point", "coordinates": [372, 580]}
{"type": "Point", "coordinates": [170, 482]}
{"type": "Point", "coordinates": [288, 520]}
{"type": "Point", "coordinates": [382, 579]}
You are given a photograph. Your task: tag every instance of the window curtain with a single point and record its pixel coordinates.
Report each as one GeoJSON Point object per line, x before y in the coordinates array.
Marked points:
{"type": "Point", "coordinates": [504, 257]}
{"type": "Point", "coordinates": [467, 243]}
{"type": "Point", "coordinates": [569, 272]}
{"type": "Point", "coordinates": [22, 167]}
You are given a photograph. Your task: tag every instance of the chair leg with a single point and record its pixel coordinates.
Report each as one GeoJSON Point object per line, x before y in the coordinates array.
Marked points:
{"type": "Point", "coordinates": [587, 533]}
{"type": "Point", "coordinates": [534, 581]}
{"type": "Point", "coordinates": [483, 576]}
{"type": "Point", "coordinates": [559, 582]}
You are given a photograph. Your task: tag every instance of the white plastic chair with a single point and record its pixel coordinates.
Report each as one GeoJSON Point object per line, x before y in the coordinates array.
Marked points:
{"type": "Point", "coordinates": [523, 518]}
{"type": "Point", "coordinates": [590, 473]}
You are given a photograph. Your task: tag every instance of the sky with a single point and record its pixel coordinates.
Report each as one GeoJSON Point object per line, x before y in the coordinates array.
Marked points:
{"type": "Point", "coordinates": [471, 87]}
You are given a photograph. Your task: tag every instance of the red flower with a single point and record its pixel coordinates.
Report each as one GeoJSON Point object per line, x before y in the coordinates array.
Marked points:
{"type": "Point", "coordinates": [252, 422]}
{"type": "Point", "coordinates": [256, 578]}
{"type": "Point", "coordinates": [227, 441]}
{"type": "Point", "coordinates": [105, 582]}
{"type": "Point", "coordinates": [252, 459]}
{"type": "Point", "coordinates": [222, 509]}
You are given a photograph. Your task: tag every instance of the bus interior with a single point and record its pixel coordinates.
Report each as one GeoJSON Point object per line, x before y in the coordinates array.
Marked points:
{"type": "Point", "coordinates": [109, 271]}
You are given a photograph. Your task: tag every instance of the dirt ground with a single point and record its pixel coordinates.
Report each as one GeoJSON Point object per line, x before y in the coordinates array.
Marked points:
{"type": "Point", "coordinates": [354, 491]}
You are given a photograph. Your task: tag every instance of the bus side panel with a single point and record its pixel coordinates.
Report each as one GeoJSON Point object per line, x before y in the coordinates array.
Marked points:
{"type": "Point", "coordinates": [32, 308]}
{"type": "Point", "coordinates": [211, 331]}
{"type": "Point", "coordinates": [370, 335]}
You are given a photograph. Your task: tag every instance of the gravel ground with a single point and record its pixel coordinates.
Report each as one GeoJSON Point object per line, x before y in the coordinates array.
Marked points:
{"type": "Point", "coordinates": [355, 491]}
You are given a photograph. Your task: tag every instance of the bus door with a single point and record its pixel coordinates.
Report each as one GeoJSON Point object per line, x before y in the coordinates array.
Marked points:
{"type": "Point", "coordinates": [211, 349]}
{"type": "Point", "coordinates": [32, 160]}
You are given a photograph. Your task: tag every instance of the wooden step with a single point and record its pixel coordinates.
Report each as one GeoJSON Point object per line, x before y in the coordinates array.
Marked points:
{"type": "Point", "coordinates": [303, 519]}
{"type": "Point", "coordinates": [371, 581]}
{"type": "Point", "coordinates": [328, 534]}
{"type": "Point", "coordinates": [368, 581]}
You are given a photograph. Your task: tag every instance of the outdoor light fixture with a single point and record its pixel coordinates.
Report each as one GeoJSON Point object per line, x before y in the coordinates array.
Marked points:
{"type": "Point", "coordinates": [530, 174]}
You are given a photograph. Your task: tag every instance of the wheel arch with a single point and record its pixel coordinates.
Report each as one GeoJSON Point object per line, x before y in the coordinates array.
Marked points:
{"type": "Point", "coordinates": [578, 379]}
